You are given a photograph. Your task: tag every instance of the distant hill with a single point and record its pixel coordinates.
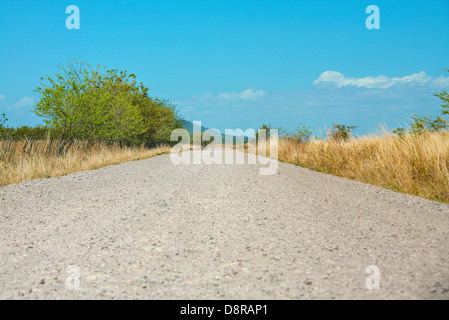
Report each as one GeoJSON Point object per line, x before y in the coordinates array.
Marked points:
{"type": "Point", "coordinates": [189, 126]}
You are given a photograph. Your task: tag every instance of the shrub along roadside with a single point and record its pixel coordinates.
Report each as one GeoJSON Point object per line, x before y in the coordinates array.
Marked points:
{"type": "Point", "coordinates": [83, 103]}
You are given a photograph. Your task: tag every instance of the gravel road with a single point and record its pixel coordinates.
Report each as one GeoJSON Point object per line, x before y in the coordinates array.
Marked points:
{"type": "Point", "coordinates": [153, 230]}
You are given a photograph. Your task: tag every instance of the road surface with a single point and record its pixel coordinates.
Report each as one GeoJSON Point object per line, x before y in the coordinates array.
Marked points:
{"type": "Point", "coordinates": [154, 230]}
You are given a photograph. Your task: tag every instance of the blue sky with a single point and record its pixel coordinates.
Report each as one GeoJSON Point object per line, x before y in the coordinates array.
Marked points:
{"type": "Point", "coordinates": [238, 64]}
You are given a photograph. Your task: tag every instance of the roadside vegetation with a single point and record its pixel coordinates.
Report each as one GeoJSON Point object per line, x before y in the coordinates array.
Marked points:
{"type": "Point", "coordinates": [414, 164]}
{"type": "Point", "coordinates": [93, 117]}
{"type": "Point", "coordinates": [34, 159]}
{"type": "Point", "coordinates": [413, 160]}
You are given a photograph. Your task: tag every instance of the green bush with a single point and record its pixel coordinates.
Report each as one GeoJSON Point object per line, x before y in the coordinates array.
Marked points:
{"type": "Point", "coordinates": [421, 124]}
{"type": "Point", "coordinates": [266, 127]}
{"type": "Point", "coordinates": [400, 132]}
{"type": "Point", "coordinates": [80, 102]}
{"type": "Point", "coordinates": [341, 132]}
{"type": "Point", "coordinates": [302, 134]}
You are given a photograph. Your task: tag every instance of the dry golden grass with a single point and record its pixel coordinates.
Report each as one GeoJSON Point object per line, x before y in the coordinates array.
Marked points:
{"type": "Point", "coordinates": [417, 165]}
{"type": "Point", "coordinates": [23, 160]}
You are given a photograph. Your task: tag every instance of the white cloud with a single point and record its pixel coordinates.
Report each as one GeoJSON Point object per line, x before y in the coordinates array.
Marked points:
{"type": "Point", "coordinates": [246, 95]}
{"type": "Point", "coordinates": [25, 102]}
{"type": "Point", "coordinates": [381, 82]}
{"type": "Point", "coordinates": [207, 96]}
{"type": "Point", "coordinates": [2, 97]}
{"type": "Point", "coordinates": [249, 94]}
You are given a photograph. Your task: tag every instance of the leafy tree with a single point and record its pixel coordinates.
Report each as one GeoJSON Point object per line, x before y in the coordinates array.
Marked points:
{"type": "Point", "coordinates": [85, 103]}
{"type": "Point", "coordinates": [444, 95]}
{"type": "Point", "coordinates": [159, 119]}
{"type": "Point", "coordinates": [422, 124]}
{"type": "Point", "coordinates": [3, 120]}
